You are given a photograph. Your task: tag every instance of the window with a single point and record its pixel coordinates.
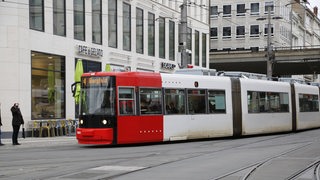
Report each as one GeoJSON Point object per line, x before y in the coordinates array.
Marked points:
{"type": "Point", "coordinates": [175, 101]}
{"type": "Point", "coordinates": [196, 48]}
{"type": "Point", "coordinates": [139, 31]}
{"type": "Point", "coordinates": [79, 20]}
{"type": "Point", "coordinates": [255, 9]}
{"type": "Point", "coordinates": [151, 35]}
{"type": "Point", "coordinates": [268, 5]}
{"type": "Point", "coordinates": [112, 23]}
{"type": "Point", "coordinates": [172, 36]}
{"type": "Point", "coordinates": [48, 86]}
{"type": "Point", "coordinates": [308, 103]}
{"type": "Point", "coordinates": [226, 32]}
{"type": "Point", "coordinates": [241, 9]}
{"type": "Point", "coordinates": [227, 11]}
{"type": "Point", "coordinates": [36, 15]}
{"type": "Point", "coordinates": [214, 33]}
{"type": "Point", "coordinates": [254, 31]}
{"type": "Point", "coordinates": [162, 38]}
{"type": "Point", "coordinates": [204, 50]}
{"type": "Point", "coordinates": [126, 101]}
{"type": "Point", "coordinates": [59, 17]}
{"type": "Point", "coordinates": [150, 101]}
{"type": "Point", "coordinates": [214, 11]}
{"type": "Point", "coordinates": [217, 101]}
{"type": "Point", "coordinates": [88, 66]}
{"type": "Point", "coordinates": [266, 29]}
{"type": "Point", "coordinates": [196, 101]}
{"type": "Point", "coordinates": [96, 22]}
{"type": "Point", "coordinates": [265, 102]}
{"type": "Point", "coordinates": [126, 27]}
{"type": "Point", "coordinates": [240, 31]}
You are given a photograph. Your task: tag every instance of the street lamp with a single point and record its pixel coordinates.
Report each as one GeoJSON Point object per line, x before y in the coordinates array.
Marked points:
{"type": "Point", "coordinates": [270, 56]}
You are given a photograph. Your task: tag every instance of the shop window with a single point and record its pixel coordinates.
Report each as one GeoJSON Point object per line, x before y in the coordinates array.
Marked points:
{"type": "Point", "coordinates": [48, 86]}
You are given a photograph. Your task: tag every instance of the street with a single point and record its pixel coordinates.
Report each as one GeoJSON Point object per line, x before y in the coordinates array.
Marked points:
{"type": "Point", "coordinates": [281, 156]}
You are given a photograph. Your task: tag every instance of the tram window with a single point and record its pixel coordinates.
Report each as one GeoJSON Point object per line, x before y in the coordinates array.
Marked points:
{"type": "Point", "coordinates": [217, 101]}
{"type": "Point", "coordinates": [260, 102]}
{"type": "Point", "coordinates": [150, 101]}
{"type": "Point", "coordinates": [196, 101]}
{"type": "Point", "coordinates": [126, 101]}
{"type": "Point", "coordinates": [174, 101]}
{"type": "Point", "coordinates": [308, 103]}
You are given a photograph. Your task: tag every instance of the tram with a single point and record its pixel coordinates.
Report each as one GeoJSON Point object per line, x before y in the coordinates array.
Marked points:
{"type": "Point", "coordinates": [142, 107]}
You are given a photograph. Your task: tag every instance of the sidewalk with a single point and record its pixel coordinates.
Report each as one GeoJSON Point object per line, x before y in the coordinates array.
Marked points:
{"type": "Point", "coordinates": [40, 142]}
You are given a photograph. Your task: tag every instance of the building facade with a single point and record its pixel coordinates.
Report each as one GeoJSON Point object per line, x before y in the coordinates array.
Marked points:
{"type": "Point", "coordinates": [238, 25]}
{"type": "Point", "coordinates": [41, 41]}
{"type": "Point", "coordinates": [243, 25]}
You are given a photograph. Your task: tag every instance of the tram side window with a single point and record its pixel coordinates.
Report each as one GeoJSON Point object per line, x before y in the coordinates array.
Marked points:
{"type": "Point", "coordinates": [196, 101]}
{"type": "Point", "coordinates": [217, 101]}
{"type": "Point", "coordinates": [308, 103]}
{"type": "Point", "coordinates": [175, 101]}
{"type": "Point", "coordinates": [150, 101]}
{"type": "Point", "coordinates": [262, 102]}
{"type": "Point", "coordinates": [126, 101]}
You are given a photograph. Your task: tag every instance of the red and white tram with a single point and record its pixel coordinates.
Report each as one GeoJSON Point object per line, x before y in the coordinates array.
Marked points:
{"type": "Point", "coordinates": [140, 107]}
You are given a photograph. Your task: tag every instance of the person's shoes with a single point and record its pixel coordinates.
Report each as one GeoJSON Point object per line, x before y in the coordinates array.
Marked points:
{"type": "Point", "coordinates": [16, 144]}
{"type": "Point", "coordinates": [1, 144]}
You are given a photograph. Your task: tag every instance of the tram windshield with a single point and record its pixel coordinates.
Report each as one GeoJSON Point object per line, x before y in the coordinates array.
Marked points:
{"type": "Point", "coordinates": [97, 96]}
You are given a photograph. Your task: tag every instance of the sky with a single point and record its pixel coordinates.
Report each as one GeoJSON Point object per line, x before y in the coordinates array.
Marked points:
{"type": "Point", "coordinates": [315, 3]}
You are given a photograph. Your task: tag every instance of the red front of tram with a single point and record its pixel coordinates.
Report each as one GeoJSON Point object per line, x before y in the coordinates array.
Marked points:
{"type": "Point", "coordinates": [111, 110]}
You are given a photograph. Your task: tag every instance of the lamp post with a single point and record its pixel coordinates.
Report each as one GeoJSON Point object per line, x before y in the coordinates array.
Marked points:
{"type": "Point", "coordinates": [270, 55]}
{"type": "Point", "coordinates": [269, 50]}
{"type": "Point", "coordinates": [183, 32]}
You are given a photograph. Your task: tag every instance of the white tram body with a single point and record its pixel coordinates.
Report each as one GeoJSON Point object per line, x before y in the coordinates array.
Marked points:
{"type": "Point", "coordinates": [193, 126]}
{"type": "Point", "coordinates": [265, 122]}
{"type": "Point", "coordinates": [307, 118]}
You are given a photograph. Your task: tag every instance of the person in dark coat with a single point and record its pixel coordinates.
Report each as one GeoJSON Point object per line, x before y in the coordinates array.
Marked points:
{"type": "Point", "coordinates": [0, 126]}
{"type": "Point", "coordinates": [17, 120]}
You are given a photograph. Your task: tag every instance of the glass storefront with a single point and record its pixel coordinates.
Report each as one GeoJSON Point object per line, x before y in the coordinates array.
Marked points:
{"type": "Point", "coordinates": [48, 86]}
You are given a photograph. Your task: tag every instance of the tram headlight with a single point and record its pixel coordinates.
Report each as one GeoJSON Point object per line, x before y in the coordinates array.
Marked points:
{"type": "Point", "coordinates": [81, 121]}
{"type": "Point", "coordinates": [104, 122]}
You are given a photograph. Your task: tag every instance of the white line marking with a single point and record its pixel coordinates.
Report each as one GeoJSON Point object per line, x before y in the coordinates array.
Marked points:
{"type": "Point", "coordinates": [117, 168]}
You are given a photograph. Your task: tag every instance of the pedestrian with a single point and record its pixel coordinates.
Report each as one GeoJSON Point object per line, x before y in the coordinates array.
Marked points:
{"type": "Point", "coordinates": [0, 126]}
{"type": "Point", "coordinates": [17, 120]}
